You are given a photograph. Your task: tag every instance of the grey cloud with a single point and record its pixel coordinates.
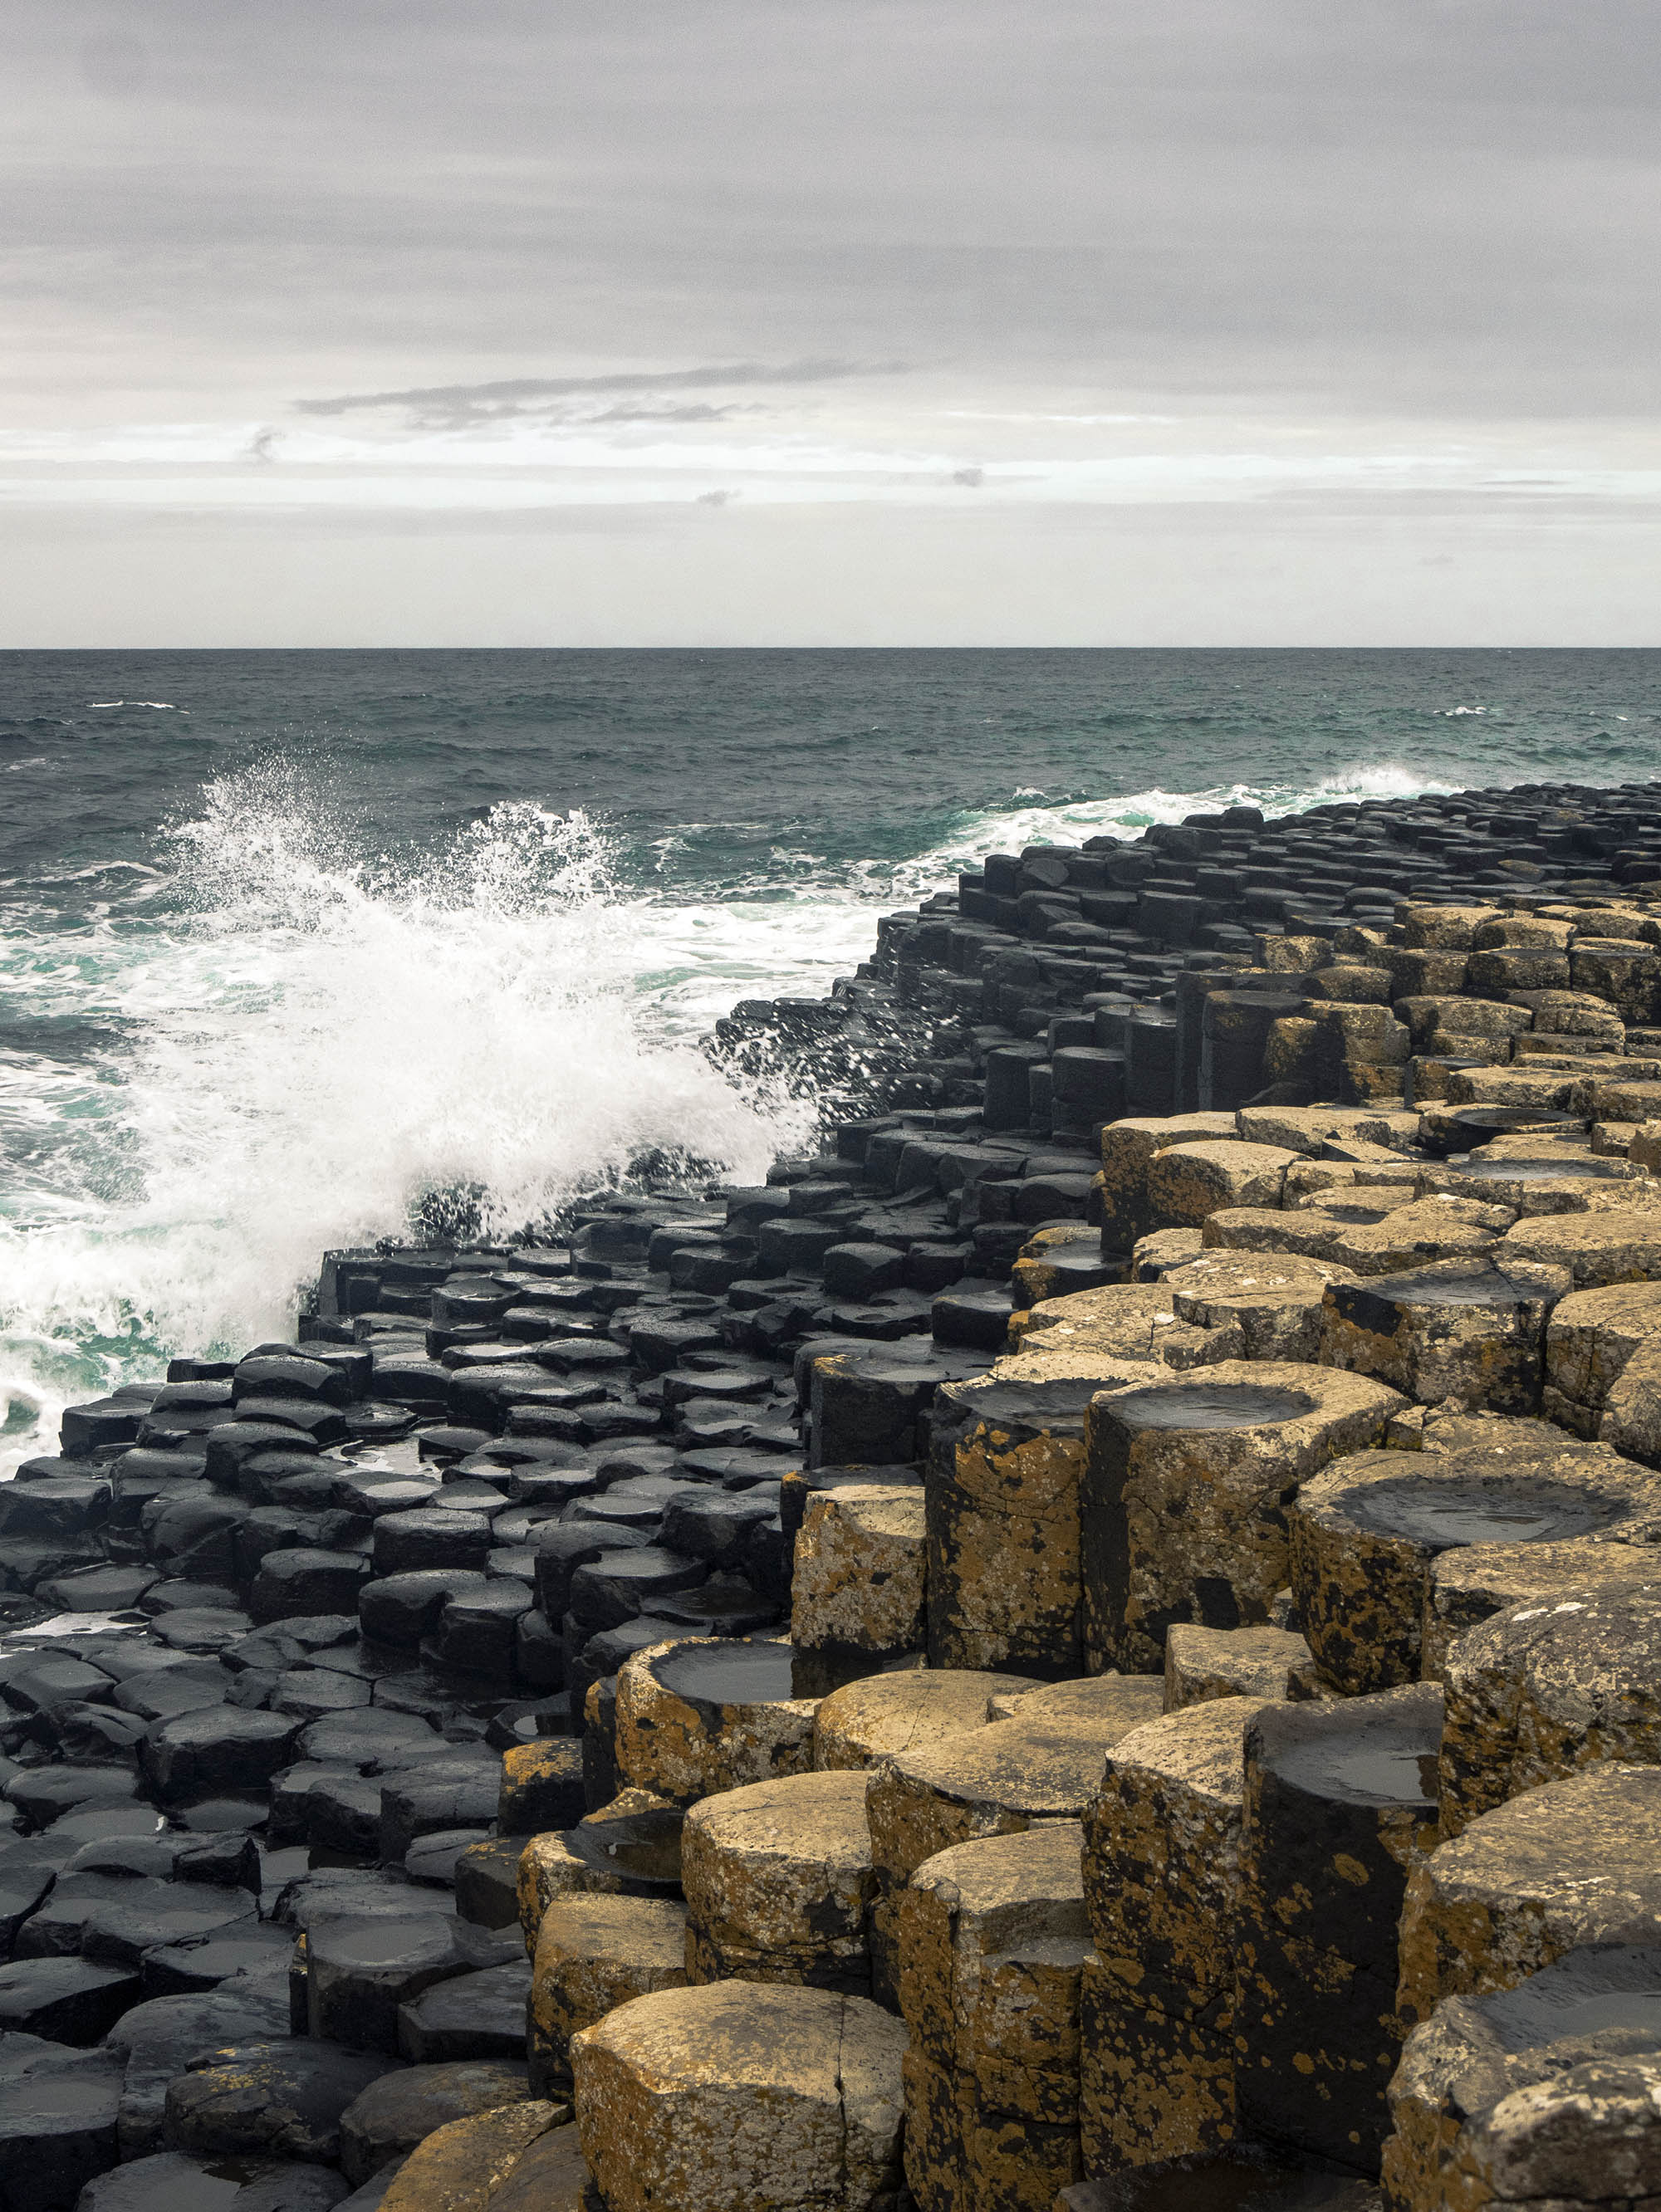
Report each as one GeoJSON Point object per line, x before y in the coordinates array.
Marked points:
{"type": "Point", "coordinates": [527, 395]}
{"type": "Point", "coordinates": [698, 412]}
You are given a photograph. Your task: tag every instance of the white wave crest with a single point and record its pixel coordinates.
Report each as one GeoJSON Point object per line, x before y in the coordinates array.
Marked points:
{"type": "Point", "coordinates": [1066, 822]}
{"type": "Point", "coordinates": [321, 1043]}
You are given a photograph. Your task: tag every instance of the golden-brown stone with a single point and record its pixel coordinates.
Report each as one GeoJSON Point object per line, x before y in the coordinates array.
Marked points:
{"type": "Point", "coordinates": [1186, 1492]}
{"type": "Point", "coordinates": [778, 1880]}
{"type": "Point", "coordinates": [741, 2094]}
{"type": "Point", "coordinates": [881, 1716]}
{"type": "Point", "coordinates": [461, 2167]}
{"type": "Point", "coordinates": [593, 1953]}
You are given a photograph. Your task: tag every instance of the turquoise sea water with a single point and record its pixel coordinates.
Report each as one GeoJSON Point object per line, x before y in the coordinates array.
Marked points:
{"type": "Point", "coordinates": [288, 941]}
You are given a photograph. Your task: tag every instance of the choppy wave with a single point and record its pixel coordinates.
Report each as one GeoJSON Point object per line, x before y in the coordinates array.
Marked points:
{"type": "Point", "coordinates": [320, 1047]}
{"type": "Point", "coordinates": [798, 932]}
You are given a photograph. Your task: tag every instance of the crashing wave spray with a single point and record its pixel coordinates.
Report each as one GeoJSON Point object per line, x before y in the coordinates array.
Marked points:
{"type": "Point", "coordinates": [326, 1049]}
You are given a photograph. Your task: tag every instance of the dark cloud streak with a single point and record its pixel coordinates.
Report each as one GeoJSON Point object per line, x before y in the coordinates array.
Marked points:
{"type": "Point", "coordinates": [527, 395]}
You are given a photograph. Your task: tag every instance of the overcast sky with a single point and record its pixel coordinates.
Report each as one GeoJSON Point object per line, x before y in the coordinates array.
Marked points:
{"type": "Point", "coordinates": [830, 321]}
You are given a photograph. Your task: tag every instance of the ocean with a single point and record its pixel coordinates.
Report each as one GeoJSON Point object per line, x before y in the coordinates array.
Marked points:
{"type": "Point", "coordinates": [294, 947]}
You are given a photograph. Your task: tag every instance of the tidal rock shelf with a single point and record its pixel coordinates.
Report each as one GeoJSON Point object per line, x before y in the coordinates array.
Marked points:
{"type": "Point", "coordinates": [1092, 1647]}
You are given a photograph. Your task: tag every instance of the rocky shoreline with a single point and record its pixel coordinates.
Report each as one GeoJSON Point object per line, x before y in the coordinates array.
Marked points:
{"type": "Point", "coordinates": [1090, 1646]}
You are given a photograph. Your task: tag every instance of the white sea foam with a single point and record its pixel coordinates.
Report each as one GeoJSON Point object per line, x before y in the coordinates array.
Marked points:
{"type": "Point", "coordinates": [318, 1044]}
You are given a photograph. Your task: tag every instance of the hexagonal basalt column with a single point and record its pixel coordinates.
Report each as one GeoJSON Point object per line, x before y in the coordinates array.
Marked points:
{"type": "Point", "coordinates": [1516, 2095]}
{"type": "Point", "coordinates": [1161, 1877]}
{"type": "Point", "coordinates": [1577, 1862]}
{"type": "Point", "coordinates": [710, 1713]}
{"type": "Point", "coordinates": [1129, 1147]}
{"type": "Point", "coordinates": [995, 1781]}
{"type": "Point", "coordinates": [1371, 1232]}
{"type": "Point", "coordinates": [1619, 1246]}
{"type": "Point", "coordinates": [1205, 1663]}
{"type": "Point", "coordinates": [1126, 1321]}
{"type": "Point", "coordinates": [1590, 1340]}
{"type": "Point", "coordinates": [866, 1402]}
{"type": "Point", "coordinates": [1539, 1691]}
{"type": "Point", "coordinates": [1274, 1299]}
{"type": "Point", "coordinates": [992, 1940]}
{"type": "Point", "coordinates": [1471, 1583]}
{"type": "Point", "coordinates": [1186, 1489]}
{"type": "Point", "coordinates": [1187, 1183]}
{"type": "Point", "coordinates": [1339, 1803]}
{"type": "Point", "coordinates": [1366, 1532]}
{"type": "Point", "coordinates": [359, 1970]}
{"type": "Point", "coordinates": [1474, 1330]}
{"type": "Point", "coordinates": [778, 1881]}
{"type": "Point", "coordinates": [739, 2094]}
{"type": "Point", "coordinates": [1116, 1702]}
{"type": "Point", "coordinates": [1003, 1481]}
{"type": "Point", "coordinates": [884, 1715]}
{"type": "Point", "coordinates": [1564, 1181]}
{"type": "Point", "coordinates": [857, 1596]}
{"type": "Point", "coordinates": [594, 1953]}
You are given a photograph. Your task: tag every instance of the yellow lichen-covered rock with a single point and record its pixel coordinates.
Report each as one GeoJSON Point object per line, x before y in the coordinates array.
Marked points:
{"type": "Point", "coordinates": [1003, 1490]}
{"type": "Point", "coordinates": [593, 1954]}
{"type": "Point", "coordinates": [1115, 1701]}
{"type": "Point", "coordinates": [1444, 928]}
{"type": "Point", "coordinates": [1161, 1875]}
{"type": "Point", "coordinates": [1162, 1251]}
{"type": "Point", "coordinates": [881, 1716]}
{"type": "Point", "coordinates": [1127, 1147]}
{"type": "Point", "coordinates": [459, 2167]}
{"type": "Point", "coordinates": [1162, 1843]}
{"type": "Point", "coordinates": [1152, 2085]}
{"type": "Point", "coordinates": [1124, 1320]}
{"type": "Point", "coordinates": [1470, 1329]}
{"type": "Point", "coordinates": [1186, 1182]}
{"type": "Point", "coordinates": [1576, 1862]}
{"type": "Point", "coordinates": [859, 1580]}
{"type": "Point", "coordinates": [541, 1786]}
{"type": "Point", "coordinates": [1366, 1533]}
{"type": "Point", "coordinates": [1465, 2131]}
{"type": "Point", "coordinates": [1273, 1300]}
{"type": "Point", "coordinates": [1471, 1583]}
{"type": "Point", "coordinates": [1203, 1663]}
{"type": "Point", "coordinates": [778, 1880]}
{"type": "Point", "coordinates": [551, 2175]}
{"type": "Point", "coordinates": [741, 2094]}
{"type": "Point", "coordinates": [1539, 1691]}
{"type": "Point", "coordinates": [1622, 1245]}
{"type": "Point", "coordinates": [992, 1944]}
{"type": "Point", "coordinates": [1306, 1129]}
{"type": "Point", "coordinates": [1186, 1493]}
{"type": "Point", "coordinates": [701, 1714]}
{"type": "Point", "coordinates": [548, 1867]}
{"type": "Point", "coordinates": [996, 1781]}
{"type": "Point", "coordinates": [1372, 1230]}
{"type": "Point", "coordinates": [1591, 1337]}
